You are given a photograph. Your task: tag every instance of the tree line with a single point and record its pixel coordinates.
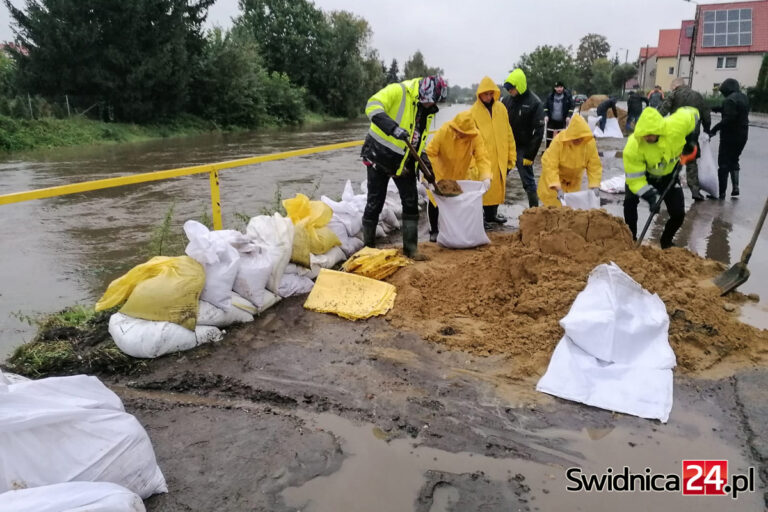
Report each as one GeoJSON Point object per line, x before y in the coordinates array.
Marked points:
{"type": "Point", "coordinates": [587, 71]}
{"type": "Point", "coordinates": [151, 60]}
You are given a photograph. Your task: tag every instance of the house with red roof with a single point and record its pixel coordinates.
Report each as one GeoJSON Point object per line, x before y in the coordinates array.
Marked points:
{"type": "Point", "coordinates": [667, 61]}
{"type": "Point", "coordinates": [646, 68]}
{"type": "Point", "coordinates": [730, 41]}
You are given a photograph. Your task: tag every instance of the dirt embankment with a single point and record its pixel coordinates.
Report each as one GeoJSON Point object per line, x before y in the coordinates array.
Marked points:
{"type": "Point", "coordinates": [507, 298]}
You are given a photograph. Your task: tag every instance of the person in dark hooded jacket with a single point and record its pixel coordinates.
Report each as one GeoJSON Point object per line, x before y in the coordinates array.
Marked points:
{"type": "Point", "coordinates": [558, 109]}
{"type": "Point", "coordinates": [602, 111]}
{"type": "Point", "coordinates": [634, 109]}
{"type": "Point", "coordinates": [734, 128]}
{"type": "Point", "coordinates": [526, 117]}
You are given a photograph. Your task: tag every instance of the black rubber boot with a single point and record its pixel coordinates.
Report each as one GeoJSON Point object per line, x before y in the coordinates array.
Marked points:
{"type": "Point", "coordinates": [533, 199]}
{"type": "Point", "coordinates": [722, 180]}
{"type": "Point", "coordinates": [411, 240]}
{"type": "Point", "coordinates": [735, 183]}
{"type": "Point", "coordinates": [369, 232]}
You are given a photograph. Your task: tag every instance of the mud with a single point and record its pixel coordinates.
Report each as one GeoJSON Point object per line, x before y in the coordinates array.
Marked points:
{"type": "Point", "coordinates": [448, 188]}
{"type": "Point", "coordinates": [507, 298]}
{"type": "Point", "coordinates": [306, 411]}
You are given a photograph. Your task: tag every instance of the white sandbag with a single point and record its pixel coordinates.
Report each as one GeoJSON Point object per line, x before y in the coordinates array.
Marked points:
{"type": "Point", "coordinates": [147, 339]}
{"type": "Point", "coordinates": [351, 245]}
{"type": "Point", "coordinates": [581, 200]}
{"type": "Point", "coordinates": [707, 164]}
{"type": "Point", "coordinates": [66, 429]}
{"type": "Point", "coordinates": [460, 222]}
{"type": "Point", "coordinates": [220, 260]}
{"type": "Point", "coordinates": [614, 185]}
{"type": "Point", "coordinates": [208, 314]}
{"type": "Point", "coordinates": [612, 129]}
{"type": "Point", "coordinates": [72, 497]}
{"type": "Point", "coordinates": [347, 214]}
{"type": "Point", "coordinates": [302, 271]}
{"type": "Point", "coordinates": [275, 233]}
{"type": "Point", "coordinates": [291, 285]}
{"type": "Point", "coordinates": [254, 273]}
{"type": "Point", "coordinates": [615, 353]}
{"type": "Point", "coordinates": [10, 378]}
{"type": "Point", "coordinates": [328, 260]}
{"type": "Point", "coordinates": [269, 300]}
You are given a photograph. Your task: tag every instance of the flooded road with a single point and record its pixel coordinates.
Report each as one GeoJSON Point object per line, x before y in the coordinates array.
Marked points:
{"type": "Point", "coordinates": [60, 251]}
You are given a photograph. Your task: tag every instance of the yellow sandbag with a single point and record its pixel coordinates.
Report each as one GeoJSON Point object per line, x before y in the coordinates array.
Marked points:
{"type": "Point", "coordinates": [375, 263]}
{"type": "Point", "coordinates": [310, 232]}
{"type": "Point", "coordinates": [163, 289]}
{"type": "Point", "coordinates": [350, 296]}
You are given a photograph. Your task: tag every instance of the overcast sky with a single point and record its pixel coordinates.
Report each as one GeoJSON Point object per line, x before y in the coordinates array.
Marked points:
{"type": "Point", "coordinates": [470, 40]}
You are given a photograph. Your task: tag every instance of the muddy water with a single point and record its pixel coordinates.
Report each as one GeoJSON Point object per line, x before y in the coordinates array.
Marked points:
{"type": "Point", "coordinates": [59, 251]}
{"type": "Point", "coordinates": [388, 475]}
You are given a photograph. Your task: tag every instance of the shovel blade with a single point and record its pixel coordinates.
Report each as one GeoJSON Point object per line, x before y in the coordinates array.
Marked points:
{"type": "Point", "coordinates": [732, 278]}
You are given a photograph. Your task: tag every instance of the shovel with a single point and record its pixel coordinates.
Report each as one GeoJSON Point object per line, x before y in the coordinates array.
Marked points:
{"type": "Point", "coordinates": [657, 206]}
{"type": "Point", "coordinates": [439, 188]}
{"type": "Point", "coordinates": [739, 273]}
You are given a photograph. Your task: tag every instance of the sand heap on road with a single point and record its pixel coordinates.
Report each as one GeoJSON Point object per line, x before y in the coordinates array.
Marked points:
{"type": "Point", "coordinates": [507, 298]}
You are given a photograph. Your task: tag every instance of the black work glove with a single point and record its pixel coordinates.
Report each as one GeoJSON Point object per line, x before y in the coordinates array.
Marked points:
{"type": "Point", "coordinates": [652, 196]}
{"type": "Point", "coordinates": [400, 133]}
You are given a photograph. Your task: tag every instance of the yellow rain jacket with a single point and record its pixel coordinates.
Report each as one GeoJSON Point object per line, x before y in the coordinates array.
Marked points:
{"type": "Point", "coordinates": [499, 142]}
{"type": "Point", "coordinates": [564, 162]}
{"type": "Point", "coordinates": [658, 159]}
{"type": "Point", "coordinates": [455, 148]}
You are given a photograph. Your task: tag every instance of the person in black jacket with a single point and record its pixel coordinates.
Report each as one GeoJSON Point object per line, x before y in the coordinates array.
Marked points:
{"type": "Point", "coordinates": [602, 111]}
{"type": "Point", "coordinates": [634, 109]}
{"type": "Point", "coordinates": [526, 117]}
{"type": "Point", "coordinates": [558, 109]}
{"type": "Point", "coordinates": [735, 128]}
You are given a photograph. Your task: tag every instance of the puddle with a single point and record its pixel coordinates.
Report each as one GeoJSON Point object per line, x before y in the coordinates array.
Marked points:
{"type": "Point", "coordinates": [387, 476]}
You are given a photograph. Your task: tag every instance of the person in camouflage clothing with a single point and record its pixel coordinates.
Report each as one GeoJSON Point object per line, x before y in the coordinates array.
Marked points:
{"type": "Point", "coordinates": [684, 96]}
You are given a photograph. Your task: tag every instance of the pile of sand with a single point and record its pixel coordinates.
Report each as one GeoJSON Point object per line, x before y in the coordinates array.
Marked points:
{"type": "Point", "coordinates": [507, 298]}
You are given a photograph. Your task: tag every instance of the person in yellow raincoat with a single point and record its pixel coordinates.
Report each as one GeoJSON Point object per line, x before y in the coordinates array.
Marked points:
{"type": "Point", "coordinates": [492, 120]}
{"type": "Point", "coordinates": [457, 152]}
{"type": "Point", "coordinates": [562, 166]}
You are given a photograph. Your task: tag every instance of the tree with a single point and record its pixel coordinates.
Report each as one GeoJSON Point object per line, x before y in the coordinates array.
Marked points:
{"type": "Point", "coordinates": [621, 74]}
{"type": "Point", "coordinates": [600, 82]}
{"type": "Point", "coordinates": [591, 48]}
{"type": "Point", "coordinates": [547, 64]}
{"type": "Point", "coordinates": [393, 72]}
{"type": "Point", "coordinates": [415, 67]}
{"type": "Point", "coordinates": [133, 58]}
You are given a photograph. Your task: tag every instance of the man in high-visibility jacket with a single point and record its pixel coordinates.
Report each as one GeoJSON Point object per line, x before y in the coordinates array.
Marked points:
{"type": "Point", "coordinates": [399, 113]}
{"type": "Point", "coordinates": [650, 156]}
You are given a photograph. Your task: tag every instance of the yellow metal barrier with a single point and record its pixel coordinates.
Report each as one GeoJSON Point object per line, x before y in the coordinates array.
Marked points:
{"type": "Point", "coordinates": [211, 169]}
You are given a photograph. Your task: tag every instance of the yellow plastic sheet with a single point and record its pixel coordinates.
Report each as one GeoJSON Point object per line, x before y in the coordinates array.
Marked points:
{"type": "Point", "coordinates": [375, 263]}
{"type": "Point", "coordinates": [163, 289]}
{"type": "Point", "coordinates": [350, 296]}
{"type": "Point", "coordinates": [311, 234]}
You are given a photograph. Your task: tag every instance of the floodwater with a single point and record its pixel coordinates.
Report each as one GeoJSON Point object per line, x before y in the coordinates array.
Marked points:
{"type": "Point", "coordinates": [61, 251]}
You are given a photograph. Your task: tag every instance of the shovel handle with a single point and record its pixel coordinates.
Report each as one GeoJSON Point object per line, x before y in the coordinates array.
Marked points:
{"type": "Point", "coordinates": [424, 169]}
{"type": "Point", "coordinates": [748, 249]}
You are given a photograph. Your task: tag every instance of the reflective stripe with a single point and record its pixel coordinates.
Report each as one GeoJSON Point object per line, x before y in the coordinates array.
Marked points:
{"type": "Point", "coordinates": [643, 190]}
{"type": "Point", "coordinates": [375, 111]}
{"type": "Point", "coordinates": [401, 110]}
{"type": "Point", "coordinates": [384, 142]}
{"type": "Point", "coordinates": [640, 174]}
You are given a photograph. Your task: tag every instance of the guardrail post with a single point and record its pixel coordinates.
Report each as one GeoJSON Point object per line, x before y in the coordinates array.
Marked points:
{"type": "Point", "coordinates": [216, 200]}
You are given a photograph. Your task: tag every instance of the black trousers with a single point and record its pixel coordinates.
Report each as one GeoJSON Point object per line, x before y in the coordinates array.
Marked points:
{"type": "Point", "coordinates": [728, 156]}
{"type": "Point", "coordinates": [433, 212]}
{"type": "Point", "coordinates": [674, 201]}
{"type": "Point", "coordinates": [553, 125]}
{"type": "Point", "coordinates": [377, 194]}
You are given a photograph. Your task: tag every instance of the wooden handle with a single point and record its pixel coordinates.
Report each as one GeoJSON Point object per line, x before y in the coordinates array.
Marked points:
{"type": "Point", "coordinates": [748, 249]}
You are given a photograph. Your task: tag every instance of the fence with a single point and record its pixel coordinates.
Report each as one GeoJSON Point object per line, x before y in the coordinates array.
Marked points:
{"type": "Point", "coordinates": [211, 169]}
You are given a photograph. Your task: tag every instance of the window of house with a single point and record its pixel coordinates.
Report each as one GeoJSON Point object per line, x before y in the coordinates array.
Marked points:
{"type": "Point", "coordinates": [727, 27]}
{"type": "Point", "coordinates": [726, 62]}
{"type": "Point", "coordinates": [689, 31]}
{"type": "Point", "coordinates": [671, 70]}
